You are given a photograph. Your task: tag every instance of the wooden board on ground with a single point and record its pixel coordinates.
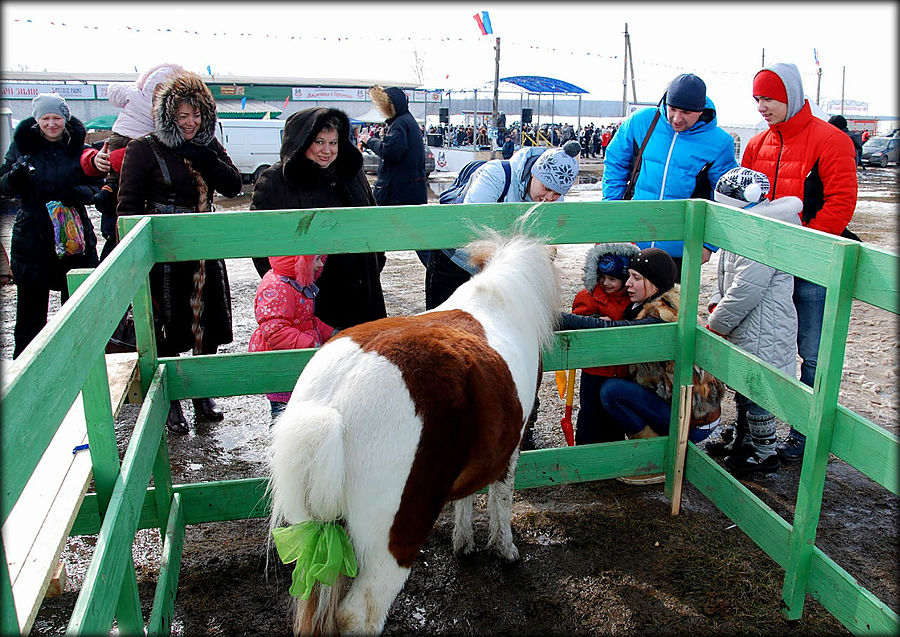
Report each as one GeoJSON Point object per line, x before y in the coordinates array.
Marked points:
{"type": "Point", "coordinates": [38, 526]}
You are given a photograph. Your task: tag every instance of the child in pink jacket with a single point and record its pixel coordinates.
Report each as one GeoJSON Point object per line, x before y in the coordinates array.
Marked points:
{"type": "Point", "coordinates": [284, 306]}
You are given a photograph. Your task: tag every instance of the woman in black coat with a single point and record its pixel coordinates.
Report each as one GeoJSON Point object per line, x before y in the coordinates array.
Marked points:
{"type": "Point", "coordinates": [175, 170]}
{"type": "Point", "coordinates": [43, 165]}
{"type": "Point", "coordinates": [320, 167]}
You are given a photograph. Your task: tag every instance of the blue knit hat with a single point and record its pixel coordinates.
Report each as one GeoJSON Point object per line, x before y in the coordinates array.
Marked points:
{"type": "Point", "coordinates": [557, 168]}
{"type": "Point", "coordinates": [687, 92]}
{"type": "Point", "coordinates": [614, 265]}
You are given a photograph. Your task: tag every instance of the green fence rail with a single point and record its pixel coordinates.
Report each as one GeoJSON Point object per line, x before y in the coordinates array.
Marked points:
{"type": "Point", "coordinates": [33, 402]}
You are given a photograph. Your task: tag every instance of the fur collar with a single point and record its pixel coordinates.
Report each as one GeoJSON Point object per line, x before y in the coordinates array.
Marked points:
{"type": "Point", "coordinates": [29, 140]}
{"type": "Point", "coordinates": [663, 307]}
{"type": "Point", "coordinates": [183, 86]}
{"type": "Point", "coordinates": [300, 130]}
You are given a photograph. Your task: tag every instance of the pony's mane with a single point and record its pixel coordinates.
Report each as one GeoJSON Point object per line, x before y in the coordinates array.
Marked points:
{"type": "Point", "coordinates": [518, 274]}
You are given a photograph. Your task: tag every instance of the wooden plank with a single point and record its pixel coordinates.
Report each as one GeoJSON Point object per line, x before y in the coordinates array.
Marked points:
{"type": "Point", "coordinates": [170, 564]}
{"type": "Point", "coordinates": [36, 530]}
{"type": "Point", "coordinates": [684, 425]}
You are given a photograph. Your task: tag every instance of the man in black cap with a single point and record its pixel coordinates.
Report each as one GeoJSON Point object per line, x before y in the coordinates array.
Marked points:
{"type": "Point", "coordinates": [684, 155]}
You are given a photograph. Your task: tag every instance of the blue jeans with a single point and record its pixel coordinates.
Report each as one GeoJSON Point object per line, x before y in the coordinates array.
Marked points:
{"type": "Point", "coordinates": [809, 299]}
{"type": "Point", "coordinates": [634, 407]}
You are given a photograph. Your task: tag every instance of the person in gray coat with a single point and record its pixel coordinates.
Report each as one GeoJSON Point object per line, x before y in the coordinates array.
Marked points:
{"type": "Point", "coordinates": [753, 308]}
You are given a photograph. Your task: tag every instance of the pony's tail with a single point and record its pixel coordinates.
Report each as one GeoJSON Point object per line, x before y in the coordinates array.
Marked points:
{"type": "Point", "coordinates": [318, 614]}
{"type": "Point", "coordinates": [307, 483]}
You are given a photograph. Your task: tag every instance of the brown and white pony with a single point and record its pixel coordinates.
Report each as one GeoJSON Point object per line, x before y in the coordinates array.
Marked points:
{"type": "Point", "coordinates": [392, 419]}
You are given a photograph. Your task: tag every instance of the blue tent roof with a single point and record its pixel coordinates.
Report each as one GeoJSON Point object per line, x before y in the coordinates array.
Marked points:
{"type": "Point", "coordinates": [540, 84]}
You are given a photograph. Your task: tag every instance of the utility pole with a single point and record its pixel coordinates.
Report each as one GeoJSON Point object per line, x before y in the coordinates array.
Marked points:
{"type": "Point", "coordinates": [625, 75]}
{"type": "Point", "coordinates": [843, 78]}
{"type": "Point", "coordinates": [631, 66]}
{"type": "Point", "coordinates": [763, 58]}
{"type": "Point", "coordinates": [496, 80]}
{"type": "Point", "coordinates": [819, 85]}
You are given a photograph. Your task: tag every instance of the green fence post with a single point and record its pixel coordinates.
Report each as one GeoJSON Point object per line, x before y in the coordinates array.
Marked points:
{"type": "Point", "coordinates": [695, 220]}
{"type": "Point", "coordinates": [820, 426]}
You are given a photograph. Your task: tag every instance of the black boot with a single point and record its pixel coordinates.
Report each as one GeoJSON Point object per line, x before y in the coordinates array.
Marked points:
{"type": "Point", "coordinates": [206, 408]}
{"type": "Point", "coordinates": [735, 442]}
{"type": "Point", "coordinates": [175, 422]}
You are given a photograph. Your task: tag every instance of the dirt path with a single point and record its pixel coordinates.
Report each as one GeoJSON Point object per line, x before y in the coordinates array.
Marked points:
{"type": "Point", "coordinates": [597, 558]}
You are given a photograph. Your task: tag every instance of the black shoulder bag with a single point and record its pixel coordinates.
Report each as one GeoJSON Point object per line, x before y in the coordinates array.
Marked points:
{"type": "Point", "coordinates": [636, 165]}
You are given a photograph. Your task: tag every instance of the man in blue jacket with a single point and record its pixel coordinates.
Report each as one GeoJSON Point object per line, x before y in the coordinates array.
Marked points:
{"type": "Point", "coordinates": [401, 179]}
{"type": "Point", "coordinates": [685, 155]}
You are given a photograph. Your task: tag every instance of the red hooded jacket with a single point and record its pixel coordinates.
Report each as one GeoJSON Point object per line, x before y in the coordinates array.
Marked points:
{"type": "Point", "coordinates": [807, 157]}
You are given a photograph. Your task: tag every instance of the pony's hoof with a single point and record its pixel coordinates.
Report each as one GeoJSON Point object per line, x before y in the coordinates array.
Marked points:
{"type": "Point", "coordinates": [464, 548]}
{"type": "Point", "coordinates": [507, 554]}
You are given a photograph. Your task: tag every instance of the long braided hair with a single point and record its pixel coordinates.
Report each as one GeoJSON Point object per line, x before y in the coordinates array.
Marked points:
{"type": "Point", "coordinates": [197, 305]}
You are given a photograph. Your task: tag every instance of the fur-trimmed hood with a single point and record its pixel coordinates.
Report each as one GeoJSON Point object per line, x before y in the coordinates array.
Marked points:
{"type": "Point", "coordinates": [184, 86]}
{"type": "Point", "coordinates": [300, 131]}
{"type": "Point", "coordinates": [592, 259]}
{"type": "Point", "coordinates": [390, 101]}
{"type": "Point", "coordinates": [29, 140]}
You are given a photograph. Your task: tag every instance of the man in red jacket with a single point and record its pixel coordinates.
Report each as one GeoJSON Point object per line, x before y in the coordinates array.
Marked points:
{"type": "Point", "coordinates": [806, 157]}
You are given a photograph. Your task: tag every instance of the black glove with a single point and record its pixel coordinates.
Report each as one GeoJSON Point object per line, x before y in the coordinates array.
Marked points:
{"type": "Point", "coordinates": [200, 156]}
{"type": "Point", "coordinates": [77, 195]}
{"type": "Point", "coordinates": [21, 171]}
{"type": "Point", "coordinates": [105, 201]}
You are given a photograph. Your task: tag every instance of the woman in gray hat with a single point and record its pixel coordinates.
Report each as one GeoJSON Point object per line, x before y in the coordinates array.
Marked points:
{"type": "Point", "coordinates": [42, 168]}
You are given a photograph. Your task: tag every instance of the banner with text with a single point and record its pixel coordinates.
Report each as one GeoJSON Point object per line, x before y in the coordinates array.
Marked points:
{"type": "Point", "coordinates": [22, 91]}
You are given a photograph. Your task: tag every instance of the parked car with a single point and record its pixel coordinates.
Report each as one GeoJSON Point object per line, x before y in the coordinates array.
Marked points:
{"type": "Point", "coordinates": [880, 151]}
{"type": "Point", "coordinates": [372, 162]}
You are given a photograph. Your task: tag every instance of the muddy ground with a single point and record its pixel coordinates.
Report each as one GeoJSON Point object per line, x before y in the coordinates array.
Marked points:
{"type": "Point", "coordinates": [596, 558]}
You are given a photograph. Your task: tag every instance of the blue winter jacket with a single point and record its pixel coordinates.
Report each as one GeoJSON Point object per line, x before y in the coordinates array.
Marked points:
{"type": "Point", "coordinates": [671, 162]}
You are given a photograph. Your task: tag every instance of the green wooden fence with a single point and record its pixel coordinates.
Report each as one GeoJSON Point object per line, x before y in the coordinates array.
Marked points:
{"type": "Point", "coordinates": [35, 401]}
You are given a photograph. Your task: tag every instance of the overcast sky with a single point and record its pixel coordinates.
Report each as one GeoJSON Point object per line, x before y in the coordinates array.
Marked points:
{"type": "Point", "coordinates": [581, 43]}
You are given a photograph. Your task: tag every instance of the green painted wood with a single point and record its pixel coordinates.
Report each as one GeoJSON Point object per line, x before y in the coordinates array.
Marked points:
{"type": "Point", "coordinates": [784, 396]}
{"type": "Point", "coordinates": [162, 481]}
{"type": "Point", "coordinates": [101, 431]}
{"type": "Point", "coordinates": [9, 620]}
{"type": "Point", "coordinates": [855, 607]}
{"type": "Point", "coordinates": [170, 566]}
{"type": "Point", "coordinates": [96, 604]}
{"type": "Point", "coordinates": [129, 620]}
{"type": "Point", "coordinates": [238, 374]}
{"type": "Point", "coordinates": [401, 227]}
{"type": "Point", "coordinates": [784, 246]}
{"type": "Point", "coordinates": [867, 447]}
{"type": "Point", "coordinates": [838, 301]}
{"type": "Point", "coordinates": [877, 278]}
{"type": "Point", "coordinates": [695, 217]}
{"type": "Point", "coordinates": [27, 387]}
{"type": "Point", "coordinates": [755, 518]}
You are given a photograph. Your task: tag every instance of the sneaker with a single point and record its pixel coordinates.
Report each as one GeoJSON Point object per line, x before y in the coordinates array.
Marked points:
{"type": "Point", "coordinates": [741, 466]}
{"type": "Point", "coordinates": [791, 449]}
{"type": "Point", "coordinates": [649, 478]}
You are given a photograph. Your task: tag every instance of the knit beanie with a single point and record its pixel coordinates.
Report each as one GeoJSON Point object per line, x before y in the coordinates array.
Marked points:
{"type": "Point", "coordinates": [687, 92]}
{"type": "Point", "coordinates": [44, 103]}
{"type": "Point", "coordinates": [768, 84]}
{"type": "Point", "coordinates": [741, 187]}
{"type": "Point", "coordinates": [656, 266]}
{"type": "Point", "coordinates": [614, 265]}
{"type": "Point", "coordinates": [838, 120]}
{"type": "Point", "coordinates": [557, 168]}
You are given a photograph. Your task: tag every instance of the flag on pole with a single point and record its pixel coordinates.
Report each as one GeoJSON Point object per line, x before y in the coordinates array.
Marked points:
{"type": "Point", "coordinates": [244, 102]}
{"type": "Point", "coordinates": [486, 21]}
{"type": "Point", "coordinates": [480, 24]}
{"type": "Point", "coordinates": [816, 56]}
{"type": "Point", "coordinates": [285, 102]}
{"type": "Point", "coordinates": [208, 70]}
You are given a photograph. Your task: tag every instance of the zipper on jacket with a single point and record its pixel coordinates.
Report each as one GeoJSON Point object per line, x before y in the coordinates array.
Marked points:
{"type": "Point", "coordinates": [777, 164]}
{"type": "Point", "coordinates": [662, 189]}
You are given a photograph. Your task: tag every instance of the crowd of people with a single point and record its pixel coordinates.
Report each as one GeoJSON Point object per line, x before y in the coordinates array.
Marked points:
{"type": "Point", "coordinates": [163, 158]}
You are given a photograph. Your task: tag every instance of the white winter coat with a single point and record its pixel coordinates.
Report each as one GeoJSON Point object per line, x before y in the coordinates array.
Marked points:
{"type": "Point", "coordinates": [754, 302]}
{"type": "Point", "coordinates": [136, 101]}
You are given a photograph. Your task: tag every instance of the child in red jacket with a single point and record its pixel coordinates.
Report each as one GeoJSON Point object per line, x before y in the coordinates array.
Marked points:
{"type": "Point", "coordinates": [603, 296]}
{"type": "Point", "coordinates": [284, 306]}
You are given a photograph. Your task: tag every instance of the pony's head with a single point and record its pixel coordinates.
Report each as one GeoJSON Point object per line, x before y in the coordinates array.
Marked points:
{"type": "Point", "coordinates": [517, 276]}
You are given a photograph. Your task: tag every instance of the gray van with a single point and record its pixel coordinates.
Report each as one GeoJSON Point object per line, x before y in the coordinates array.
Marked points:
{"type": "Point", "coordinates": [880, 151]}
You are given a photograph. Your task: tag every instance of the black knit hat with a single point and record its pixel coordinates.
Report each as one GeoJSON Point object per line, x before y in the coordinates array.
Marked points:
{"type": "Point", "coordinates": [687, 92]}
{"type": "Point", "coordinates": [656, 266]}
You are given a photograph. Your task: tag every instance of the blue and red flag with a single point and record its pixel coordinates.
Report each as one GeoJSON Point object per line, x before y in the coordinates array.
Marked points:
{"type": "Point", "coordinates": [816, 56]}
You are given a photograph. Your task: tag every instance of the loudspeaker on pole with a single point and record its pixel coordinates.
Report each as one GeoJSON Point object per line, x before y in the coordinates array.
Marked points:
{"type": "Point", "coordinates": [444, 114]}
{"type": "Point", "coordinates": [526, 115]}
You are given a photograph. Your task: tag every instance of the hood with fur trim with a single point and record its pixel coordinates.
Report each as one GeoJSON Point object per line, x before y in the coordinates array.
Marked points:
{"type": "Point", "coordinates": [592, 259]}
{"type": "Point", "coordinates": [300, 131]}
{"type": "Point", "coordinates": [183, 86]}
{"type": "Point", "coordinates": [390, 101]}
{"type": "Point", "coordinates": [29, 140]}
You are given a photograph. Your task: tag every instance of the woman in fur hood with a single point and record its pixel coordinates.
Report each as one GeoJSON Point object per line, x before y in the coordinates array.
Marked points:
{"type": "Point", "coordinates": [641, 405]}
{"type": "Point", "coordinates": [176, 169]}
{"type": "Point", "coordinates": [320, 167]}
